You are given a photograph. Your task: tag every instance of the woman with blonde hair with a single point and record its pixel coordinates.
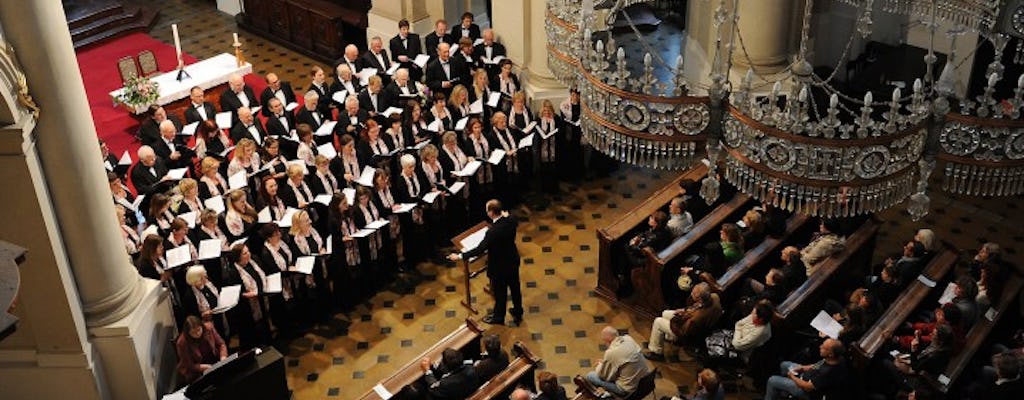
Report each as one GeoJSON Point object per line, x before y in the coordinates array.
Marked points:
{"type": "Point", "coordinates": [313, 290]}
{"type": "Point", "coordinates": [132, 241]}
{"type": "Point", "coordinates": [458, 103]}
{"type": "Point", "coordinates": [245, 158]}
{"type": "Point", "coordinates": [190, 202]}
{"type": "Point", "coordinates": [211, 182]}
{"type": "Point", "coordinates": [549, 143]}
{"type": "Point", "coordinates": [294, 191]}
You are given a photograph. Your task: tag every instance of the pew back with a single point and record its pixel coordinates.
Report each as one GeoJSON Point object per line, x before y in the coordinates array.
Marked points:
{"type": "Point", "coordinates": [907, 302]}
{"type": "Point", "coordinates": [466, 336]}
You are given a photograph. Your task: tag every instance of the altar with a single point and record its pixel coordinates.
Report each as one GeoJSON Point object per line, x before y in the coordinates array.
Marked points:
{"type": "Point", "coordinates": [207, 74]}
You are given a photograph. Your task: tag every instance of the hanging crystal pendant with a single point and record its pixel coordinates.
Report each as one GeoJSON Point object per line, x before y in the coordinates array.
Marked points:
{"type": "Point", "coordinates": [918, 207]}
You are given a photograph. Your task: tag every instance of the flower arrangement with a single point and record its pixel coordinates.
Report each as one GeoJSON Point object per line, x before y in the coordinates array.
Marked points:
{"type": "Point", "coordinates": [139, 91]}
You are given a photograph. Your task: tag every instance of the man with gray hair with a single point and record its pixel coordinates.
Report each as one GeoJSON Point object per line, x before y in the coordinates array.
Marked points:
{"type": "Point", "coordinates": [310, 114]}
{"type": "Point", "coordinates": [679, 220]}
{"type": "Point", "coordinates": [248, 127]}
{"type": "Point", "coordinates": [694, 322]}
{"type": "Point", "coordinates": [622, 367]}
{"type": "Point", "coordinates": [237, 95]}
{"type": "Point", "coordinates": [170, 148]}
{"type": "Point", "coordinates": [148, 171]}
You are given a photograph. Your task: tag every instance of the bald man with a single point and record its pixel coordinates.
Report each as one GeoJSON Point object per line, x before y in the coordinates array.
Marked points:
{"type": "Point", "coordinates": [276, 88]}
{"type": "Point", "coordinates": [236, 96]}
{"type": "Point", "coordinates": [401, 89]}
{"type": "Point", "coordinates": [351, 59]}
{"type": "Point", "coordinates": [248, 127]}
{"type": "Point", "coordinates": [622, 366]}
{"type": "Point", "coordinates": [489, 50]}
{"type": "Point", "coordinates": [446, 71]}
{"type": "Point", "coordinates": [148, 172]}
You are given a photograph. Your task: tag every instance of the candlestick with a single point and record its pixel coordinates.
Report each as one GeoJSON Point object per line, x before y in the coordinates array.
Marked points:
{"type": "Point", "coordinates": [177, 41]}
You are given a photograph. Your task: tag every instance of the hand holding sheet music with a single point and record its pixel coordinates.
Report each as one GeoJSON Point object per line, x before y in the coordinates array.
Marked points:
{"type": "Point", "coordinates": [825, 324]}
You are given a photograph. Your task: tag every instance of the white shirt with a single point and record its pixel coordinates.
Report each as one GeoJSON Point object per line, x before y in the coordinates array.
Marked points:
{"type": "Point", "coordinates": [242, 98]}
{"type": "Point", "coordinates": [201, 110]}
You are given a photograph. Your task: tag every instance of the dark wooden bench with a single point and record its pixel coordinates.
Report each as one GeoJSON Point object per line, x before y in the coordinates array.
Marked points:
{"type": "Point", "coordinates": [520, 370]}
{"type": "Point", "coordinates": [465, 338]}
{"type": "Point", "coordinates": [857, 253]}
{"type": "Point", "coordinates": [757, 255]}
{"type": "Point", "coordinates": [979, 332]}
{"type": "Point", "coordinates": [900, 309]}
{"type": "Point", "coordinates": [610, 236]}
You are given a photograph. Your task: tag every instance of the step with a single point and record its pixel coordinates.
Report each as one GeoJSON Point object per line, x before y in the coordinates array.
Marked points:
{"type": "Point", "coordinates": [92, 13]}
{"type": "Point", "coordinates": [128, 15]}
{"type": "Point", "coordinates": [142, 24]}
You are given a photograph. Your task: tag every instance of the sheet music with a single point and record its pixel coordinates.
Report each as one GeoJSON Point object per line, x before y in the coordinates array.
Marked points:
{"type": "Point", "coordinates": [286, 219]}
{"type": "Point", "coordinates": [125, 159]}
{"type": "Point", "coordinates": [526, 141]}
{"type": "Point", "coordinates": [209, 249]}
{"type": "Point", "coordinates": [215, 203]}
{"type": "Point", "coordinates": [190, 218]}
{"type": "Point", "coordinates": [108, 166]}
{"type": "Point", "coordinates": [394, 67]}
{"type": "Point", "coordinates": [238, 181]}
{"type": "Point", "coordinates": [477, 107]}
{"type": "Point", "coordinates": [366, 178]}
{"type": "Point", "coordinates": [327, 150]}
{"type": "Point", "coordinates": [421, 60]}
{"type": "Point", "coordinates": [948, 294]}
{"type": "Point", "coordinates": [304, 265]}
{"type": "Point", "coordinates": [137, 202]}
{"type": "Point", "coordinates": [330, 244]}
{"type": "Point", "coordinates": [273, 283]}
{"type": "Point", "coordinates": [434, 126]}
{"type": "Point", "coordinates": [469, 169]}
{"type": "Point", "coordinates": [350, 195]}
{"type": "Point", "coordinates": [339, 96]}
{"type": "Point", "coordinates": [190, 129]}
{"type": "Point", "coordinates": [391, 111]}
{"type": "Point", "coordinates": [461, 125]}
{"type": "Point", "coordinates": [176, 174]}
{"type": "Point", "coordinates": [430, 197]}
{"type": "Point", "coordinates": [264, 216]}
{"type": "Point", "coordinates": [456, 187]}
{"type": "Point", "coordinates": [452, 50]}
{"type": "Point", "coordinates": [380, 223]}
{"type": "Point", "coordinates": [494, 99]}
{"type": "Point", "coordinates": [326, 129]}
{"type": "Point", "coordinates": [825, 324]}
{"type": "Point", "coordinates": [291, 106]}
{"type": "Point", "coordinates": [238, 242]}
{"type": "Point", "coordinates": [365, 74]}
{"type": "Point", "coordinates": [255, 109]}
{"type": "Point", "coordinates": [178, 256]}
{"type": "Point", "coordinates": [150, 230]}
{"type": "Point", "coordinates": [228, 298]}
{"type": "Point", "coordinates": [363, 233]}
{"type": "Point", "coordinates": [991, 314]}
{"type": "Point", "coordinates": [324, 199]}
{"type": "Point", "coordinates": [223, 120]}
{"type": "Point", "coordinates": [405, 207]}
{"type": "Point", "coordinates": [227, 150]}
{"type": "Point", "coordinates": [382, 392]}
{"type": "Point", "coordinates": [496, 156]}
{"type": "Point", "coordinates": [473, 241]}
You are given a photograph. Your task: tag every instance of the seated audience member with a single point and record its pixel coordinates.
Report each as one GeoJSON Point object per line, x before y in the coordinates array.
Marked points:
{"type": "Point", "coordinates": [929, 240]}
{"type": "Point", "coordinates": [824, 243]}
{"type": "Point", "coordinates": [989, 253]}
{"type": "Point", "coordinates": [922, 332]}
{"type": "Point", "coordinates": [990, 284]}
{"type": "Point", "coordinates": [1006, 384]}
{"type": "Point", "coordinates": [965, 298]}
{"type": "Point", "coordinates": [656, 237]}
{"type": "Point", "coordinates": [199, 346]}
{"type": "Point", "coordinates": [887, 286]}
{"type": "Point", "coordinates": [754, 330]}
{"type": "Point", "coordinates": [688, 324]}
{"type": "Point", "coordinates": [772, 289]}
{"type": "Point", "coordinates": [774, 219]}
{"type": "Point", "coordinates": [679, 221]}
{"type": "Point", "coordinates": [910, 263]}
{"type": "Point", "coordinates": [732, 243]}
{"type": "Point", "coordinates": [452, 380]}
{"type": "Point", "coordinates": [494, 359]}
{"type": "Point", "coordinates": [899, 375]}
{"type": "Point", "coordinates": [548, 387]}
{"type": "Point", "coordinates": [622, 367]}
{"type": "Point", "coordinates": [828, 376]}
{"type": "Point", "coordinates": [520, 394]}
{"type": "Point", "coordinates": [753, 229]}
{"type": "Point", "coordinates": [793, 268]}
{"type": "Point", "coordinates": [708, 387]}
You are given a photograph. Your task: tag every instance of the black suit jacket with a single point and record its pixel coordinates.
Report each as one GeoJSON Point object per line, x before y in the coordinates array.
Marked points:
{"type": "Point", "coordinates": [365, 104]}
{"type": "Point", "coordinates": [163, 151]}
{"type": "Point", "coordinates": [143, 180]}
{"type": "Point", "coordinates": [238, 132]}
{"type": "Point", "coordinates": [229, 101]}
{"type": "Point", "coordinates": [497, 49]}
{"type": "Point", "coordinates": [191, 115]}
{"type": "Point", "coordinates": [344, 121]}
{"type": "Point", "coordinates": [500, 244]}
{"type": "Point", "coordinates": [276, 128]}
{"type": "Point", "coordinates": [393, 94]}
{"type": "Point", "coordinates": [324, 102]}
{"type": "Point", "coordinates": [411, 49]}
{"type": "Point", "coordinates": [355, 65]}
{"type": "Point", "coordinates": [432, 40]}
{"type": "Point", "coordinates": [306, 117]}
{"type": "Point", "coordinates": [435, 75]}
{"type": "Point", "coordinates": [337, 86]}
{"type": "Point", "coordinates": [456, 32]}
{"type": "Point", "coordinates": [369, 61]}
{"type": "Point", "coordinates": [456, 385]}
{"type": "Point", "coordinates": [149, 130]}
{"type": "Point", "coordinates": [289, 97]}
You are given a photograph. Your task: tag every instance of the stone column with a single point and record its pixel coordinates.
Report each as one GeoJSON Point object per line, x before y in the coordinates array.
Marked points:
{"type": "Point", "coordinates": [766, 29]}
{"type": "Point", "coordinates": [128, 317]}
{"type": "Point", "coordinates": [384, 16]}
{"type": "Point", "coordinates": [520, 27]}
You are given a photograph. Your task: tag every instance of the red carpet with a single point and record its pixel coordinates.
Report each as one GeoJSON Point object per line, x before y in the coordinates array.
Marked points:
{"type": "Point", "coordinates": [98, 65]}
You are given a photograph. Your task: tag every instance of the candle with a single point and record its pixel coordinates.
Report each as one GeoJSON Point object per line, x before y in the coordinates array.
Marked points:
{"type": "Point", "coordinates": [917, 85]}
{"type": "Point", "coordinates": [1020, 81]}
{"type": "Point", "coordinates": [868, 98]}
{"type": "Point", "coordinates": [896, 95]}
{"type": "Point", "coordinates": [236, 37]}
{"type": "Point", "coordinates": [177, 42]}
{"type": "Point", "coordinates": [803, 94]}
{"type": "Point", "coordinates": [992, 79]}
{"type": "Point", "coordinates": [833, 101]}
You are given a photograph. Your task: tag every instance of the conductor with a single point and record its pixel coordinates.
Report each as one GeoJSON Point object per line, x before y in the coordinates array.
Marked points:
{"type": "Point", "coordinates": [502, 263]}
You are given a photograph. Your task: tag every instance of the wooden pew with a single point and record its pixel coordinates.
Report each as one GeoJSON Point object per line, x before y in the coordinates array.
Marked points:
{"type": "Point", "coordinates": [900, 309]}
{"type": "Point", "coordinates": [756, 255]}
{"type": "Point", "coordinates": [859, 247]}
{"type": "Point", "coordinates": [519, 370]}
{"type": "Point", "coordinates": [647, 279]}
{"type": "Point", "coordinates": [979, 332]}
{"type": "Point", "coordinates": [465, 338]}
{"type": "Point", "coordinates": [584, 389]}
{"type": "Point", "coordinates": [609, 236]}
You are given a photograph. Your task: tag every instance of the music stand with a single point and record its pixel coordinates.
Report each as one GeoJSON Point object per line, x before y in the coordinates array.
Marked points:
{"type": "Point", "coordinates": [457, 241]}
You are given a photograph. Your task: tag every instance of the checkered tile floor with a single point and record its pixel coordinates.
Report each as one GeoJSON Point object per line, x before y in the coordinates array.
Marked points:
{"type": "Point", "coordinates": [559, 249]}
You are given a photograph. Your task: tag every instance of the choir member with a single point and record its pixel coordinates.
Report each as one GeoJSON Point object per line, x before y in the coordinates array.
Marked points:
{"type": "Point", "coordinates": [548, 148]}
{"type": "Point", "coordinates": [439, 112]}
{"type": "Point", "coordinates": [437, 37]}
{"type": "Point", "coordinates": [346, 269]}
{"type": "Point", "coordinates": [395, 136]}
{"type": "Point", "coordinates": [149, 130]}
{"type": "Point", "coordinates": [276, 89]}
{"type": "Point", "coordinates": [190, 201]}
{"type": "Point", "coordinates": [401, 90]}
{"type": "Point", "coordinates": [322, 180]}
{"type": "Point", "coordinates": [458, 103]}
{"type": "Point", "coordinates": [307, 149]}
{"type": "Point", "coordinates": [445, 72]}
{"type": "Point", "coordinates": [310, 113]}
{"type": "Point", "coordinates": [237, 95]}
{"type": "Point", "coordinates": [343, 81]}
{"type": "Point", "coordinates": [210, 140]}
{"type": "Point", "coordinates": [240, 216]}
{"type": "Point", "coordinates": [269, 199]}
{"type": "Point", "coordinates": [199, 109]}
{"type": "Point", "coordinates": [295, 192]}
{"type": "Point", "coordinates": [313, 289]}
{"type": "Point", "coordinates": [199, 298]}
{"type": "Point", "coordinates": [248, 127]}
{"type": "Point", "coordinates": [489, 50]}
{"type": "Point", "coordinates": [410, 186]}
{"type": "Point", "coordinates": [211, 183]}
{"type": "Point", "coordinates": [352, 119]}
{"type": "Point", "coordinates": [572, 153]}
{"type": "Point", "coordinates": [467, 29]}
{"type": "Point", "coordinates": [405, 46]}
{"type": "Point", "coordinates": [482, 184]}
{"type": "Point", "coordinates": [364, 212]}
{"type": "Point", "coordinates": [372, 149]}
{"type": "Point", "coordinates": [132, 241]}
{"type": "Point", "coordinates": [371, 99]}
{"type": "Point", "coordinates": [249, 317]}
{"type": "Point", "coordinates": [149, 172]}
{"type": "Point", "coordinates": [124, 198]}
{"type": "Point", "coordinates": [159, 213]}
{"type": "Point", "coordinates": [245, 159]}
{"type": "Point", "coordinates": [347, 165]}
{"type": "Point", "coordinates": [277, 257]}
{"type": "Point", "coordinates": [377, 58]}
{"type": "Point", "coordinates": [272, 157]}
{"type": "Point", "coordinates": [209, 229]}
{"type": "Point", "coordinates": [170, 148]}
{"type": "Point", "coordinates": [318, 84]}
{"type": "Point", "coordinates": [280, 122]}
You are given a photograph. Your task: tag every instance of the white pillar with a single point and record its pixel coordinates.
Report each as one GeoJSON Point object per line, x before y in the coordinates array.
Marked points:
{"type": "Point", "coordinates": [520, 27]}
{"type": "Point", "coordinates": [127, 316]}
